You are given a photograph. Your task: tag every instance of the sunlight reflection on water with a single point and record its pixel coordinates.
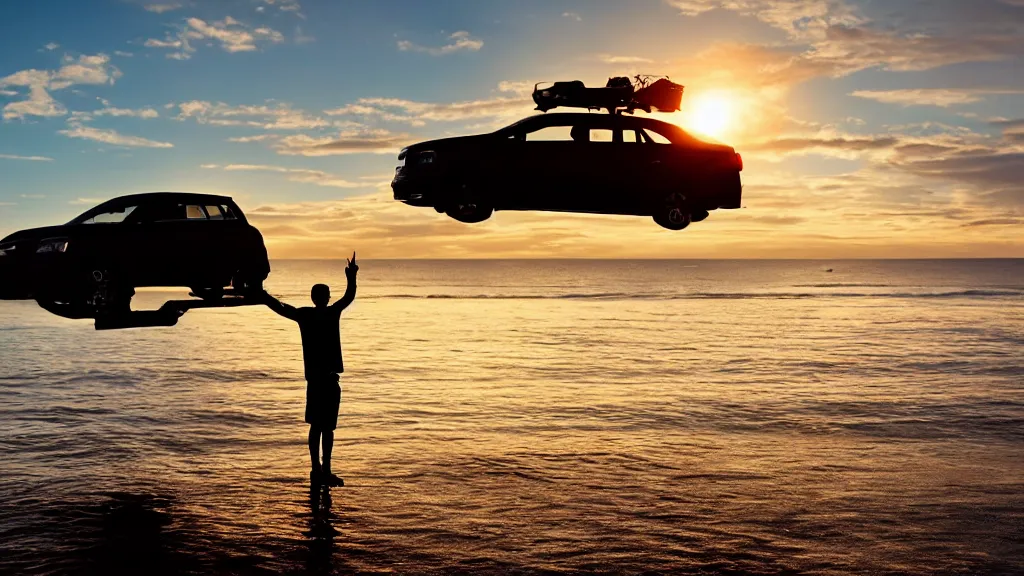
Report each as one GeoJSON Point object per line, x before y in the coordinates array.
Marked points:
{"type": "Point", "coordinates": [536, 416]}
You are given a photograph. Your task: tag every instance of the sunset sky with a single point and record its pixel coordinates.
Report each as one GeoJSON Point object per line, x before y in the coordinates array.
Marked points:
{"type": "Point", "coordinates": [869, 128]}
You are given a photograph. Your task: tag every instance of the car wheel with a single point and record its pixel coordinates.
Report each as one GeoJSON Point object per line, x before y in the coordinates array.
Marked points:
{"type": "Point", "coordinates": [699, 215]}
{"type": "Point", "coordinates": [469, 207]}
{"type": "Point", "coordinates": [674, 214]}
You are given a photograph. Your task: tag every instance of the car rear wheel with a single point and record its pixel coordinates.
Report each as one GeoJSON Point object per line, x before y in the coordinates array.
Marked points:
{"type": "Point", "coordinates": [468, 206]}
{"type": "Point", "coordinates": [674, 214]}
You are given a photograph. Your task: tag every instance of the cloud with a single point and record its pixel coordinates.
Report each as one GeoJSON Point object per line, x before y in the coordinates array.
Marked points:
{"type": "Point", "coordinates": [145, 113]}
{"type": "Point", "coordinates": [255, 138]}
{"type": "Point", "coordinates": [302, 175]}
{"type": "Point", "coordinates": [799, 18]}
{"type": "Point", "coordinates": [572, 16]}
{"type": "Point", "coordinates": [86, 69]}
{"type": "Point", "coordinates": [284, 5]}
{"type": "Point", "coordinates": [612, 59]}
{"type": "Point", "coordinates": [378, 142]}
{"type": "Point", "coordinates": [29, 158]}
{"type": "Point", "coordinates": [942, 98]}
{"type": "Point", "coordinates": [460, 41]}
{"type": "Point", "coordinates": [232, 35]}
{"type": "Point", "coordinates": [51, 46]}
{"type": "Point", "coordinates": [161, 8]}
{"type": "Point", "coordinates": [123, 54]}
{"type": "Point", "coordinates": [271, 116]}
{"type": "Point", "coordinates": [77, 130]}
{"type": "Point", "coordinates": [418, 113]}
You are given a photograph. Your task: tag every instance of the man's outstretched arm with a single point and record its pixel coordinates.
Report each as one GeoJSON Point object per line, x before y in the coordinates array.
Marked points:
{"type": "Point", "coordinates": [288, 311]}
{"type": "Point", "coordinates": [350, 290]}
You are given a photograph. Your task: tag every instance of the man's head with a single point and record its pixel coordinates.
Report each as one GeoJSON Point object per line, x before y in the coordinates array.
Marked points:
{"type": "Point", "coordinates": [320, 294]}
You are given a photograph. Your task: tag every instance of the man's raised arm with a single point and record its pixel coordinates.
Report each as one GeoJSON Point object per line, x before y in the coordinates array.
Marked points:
{"type": "Point", "coordinates": [281, 308]}
{"type": "Point", "coordinates": [350, 290]}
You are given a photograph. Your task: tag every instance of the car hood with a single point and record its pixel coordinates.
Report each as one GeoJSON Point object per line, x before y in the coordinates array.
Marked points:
{"type": "Point", "coordinates": [448, 143]}
{"type": "Point", "coordinates": [37, 233]}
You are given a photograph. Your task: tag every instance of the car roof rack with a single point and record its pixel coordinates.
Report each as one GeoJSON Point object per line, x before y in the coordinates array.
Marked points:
{"type": "Point", "coordinates": [645, 92]}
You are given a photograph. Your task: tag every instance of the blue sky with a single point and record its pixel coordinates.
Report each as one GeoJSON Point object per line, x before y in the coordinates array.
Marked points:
{"type": "Point", "coordinates": [869, 128]}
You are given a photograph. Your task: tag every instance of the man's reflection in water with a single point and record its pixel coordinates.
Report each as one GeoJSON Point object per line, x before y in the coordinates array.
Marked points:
{"type": "Point", "coordinates": [321, 532]}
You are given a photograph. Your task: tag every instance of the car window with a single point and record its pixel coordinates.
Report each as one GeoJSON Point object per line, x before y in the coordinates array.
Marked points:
{"type": "Point", "coordinates": [632, 136]}
{"type": "Point", "coordinates": [214, 213]}
{"type": "Point", "coordinates": [228, 213]}
{"type": "Point", "coordinates": [194, 212]}
{"type": "Point", "coordinates": [656, 137]}
{"type": "Point", "coordinates": [550, 134]}
{"type": "Point", "coordinates": [601, 135]}
{"type": "Point", "coordinates": [112, 217]}
{"type": "Point", "coordinates": [162, 212]}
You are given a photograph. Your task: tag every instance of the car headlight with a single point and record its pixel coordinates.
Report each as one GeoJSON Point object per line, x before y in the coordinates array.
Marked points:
{"type": "Point", "coordinates": [7, 249]}
{"type": "Point", "coordinates": [52, 245]}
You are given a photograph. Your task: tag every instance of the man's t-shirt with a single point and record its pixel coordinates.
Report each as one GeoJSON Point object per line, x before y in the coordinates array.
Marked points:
{"type": "Point", "coordinates": [321, 340]}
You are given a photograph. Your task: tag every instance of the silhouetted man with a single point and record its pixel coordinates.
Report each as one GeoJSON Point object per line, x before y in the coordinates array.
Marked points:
{"type": "Point", "coordinates": [321, 355]}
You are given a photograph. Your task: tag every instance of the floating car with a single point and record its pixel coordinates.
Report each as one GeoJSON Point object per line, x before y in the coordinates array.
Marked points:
{"type": "Point", "coordinates": [89, 267]}
{"type": "Point", "coordinates": [573, 162]}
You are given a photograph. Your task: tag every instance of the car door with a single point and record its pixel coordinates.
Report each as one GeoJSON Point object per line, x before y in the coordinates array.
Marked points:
{"type": "Point", "coordinates": [547, 180]}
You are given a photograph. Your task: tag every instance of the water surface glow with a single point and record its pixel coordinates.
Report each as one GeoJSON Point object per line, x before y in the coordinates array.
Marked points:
{"type": "Point", "coordinates": [534, 417]}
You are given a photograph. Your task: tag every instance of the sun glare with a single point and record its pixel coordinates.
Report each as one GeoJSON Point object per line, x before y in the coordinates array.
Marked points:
{"type": "Point", "coordinates": [710, 114]}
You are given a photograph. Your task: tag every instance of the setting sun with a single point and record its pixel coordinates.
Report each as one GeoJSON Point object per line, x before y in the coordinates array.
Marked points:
{"type": "Point", "coordinates": [710, 113]}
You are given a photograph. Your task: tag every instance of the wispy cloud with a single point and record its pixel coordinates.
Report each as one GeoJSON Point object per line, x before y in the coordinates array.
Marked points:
{"type": "Point", "coordinates": [232, 35]}
{"type": "Point", "coordinates": [419, 113]}
{"type": "Point", "coordinates": [941, 97]}
{"type": "Point", "coordinates": [112, 137]}
{"type": "Point", "coordinates": [303, 175]}
{"type": "Point", "coordinates": [29, 158]}
{"type": "Point", "coordinates": [85, 69]}
{"type": "Point", "coordinates": [270, 116]}
{"type": "Point", "coordinates": [572, 16]}
{"type": "Point", "coordinates": [613, 59]}
{"type": "Point", "coordinates": [460, 41]}
{"type": "Point", "coordinates": [352, 142]}
{"type": "Point", "coordinates": [161, 8]}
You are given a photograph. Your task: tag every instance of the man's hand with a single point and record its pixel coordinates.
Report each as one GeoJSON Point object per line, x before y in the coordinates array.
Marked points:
{"type": "Point", "coordinates": [352, 266]}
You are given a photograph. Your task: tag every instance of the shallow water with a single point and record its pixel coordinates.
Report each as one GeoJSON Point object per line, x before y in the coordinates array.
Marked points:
{"type": "Point", "coordinates": [537, 417]}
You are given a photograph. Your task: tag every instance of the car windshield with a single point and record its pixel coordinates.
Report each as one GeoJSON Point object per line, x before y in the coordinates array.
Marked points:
{"type": "Point", "coordinates": [104, 215]}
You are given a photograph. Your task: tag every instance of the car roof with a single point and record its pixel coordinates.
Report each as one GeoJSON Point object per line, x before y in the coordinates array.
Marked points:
{"type": "Point", "coordinates": [172, 196]}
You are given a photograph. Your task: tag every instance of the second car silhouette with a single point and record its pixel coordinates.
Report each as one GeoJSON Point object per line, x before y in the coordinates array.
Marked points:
{"type": "Point", "coordinates": [572, 162]}
{"type": "Point", "coordinates": [90, 267]}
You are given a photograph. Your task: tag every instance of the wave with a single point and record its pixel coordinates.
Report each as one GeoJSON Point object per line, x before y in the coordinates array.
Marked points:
{"type": "Point", "coordinates": [976, 293]}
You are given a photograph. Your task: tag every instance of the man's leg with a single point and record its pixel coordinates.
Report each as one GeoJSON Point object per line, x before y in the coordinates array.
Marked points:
{"type": "Point", "coordinates": [314, 448]}
{"type": "Point", "coordinates": [328, 444]}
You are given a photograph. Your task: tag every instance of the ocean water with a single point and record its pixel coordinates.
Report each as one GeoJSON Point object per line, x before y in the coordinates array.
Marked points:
{"type": "Point", "coordinates": [536, 417]}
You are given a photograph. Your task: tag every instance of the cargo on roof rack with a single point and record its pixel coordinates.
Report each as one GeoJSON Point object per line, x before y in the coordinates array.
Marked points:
{"type": "Point", "coordinates": [618, 95]}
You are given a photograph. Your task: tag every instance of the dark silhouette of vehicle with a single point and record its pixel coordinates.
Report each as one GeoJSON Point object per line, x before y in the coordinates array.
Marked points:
{"type": "Point", "coordinates": [89, 267]}
{"type": "Point", "coordinates": [573, 162]}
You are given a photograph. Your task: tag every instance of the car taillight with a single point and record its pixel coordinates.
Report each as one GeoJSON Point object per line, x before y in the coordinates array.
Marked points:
{"type": "Point", "coordinates": [739, 162]}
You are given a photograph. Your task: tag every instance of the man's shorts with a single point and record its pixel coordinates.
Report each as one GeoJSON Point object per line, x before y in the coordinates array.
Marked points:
{"type": "Point", "coordinates": [323, 397]}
